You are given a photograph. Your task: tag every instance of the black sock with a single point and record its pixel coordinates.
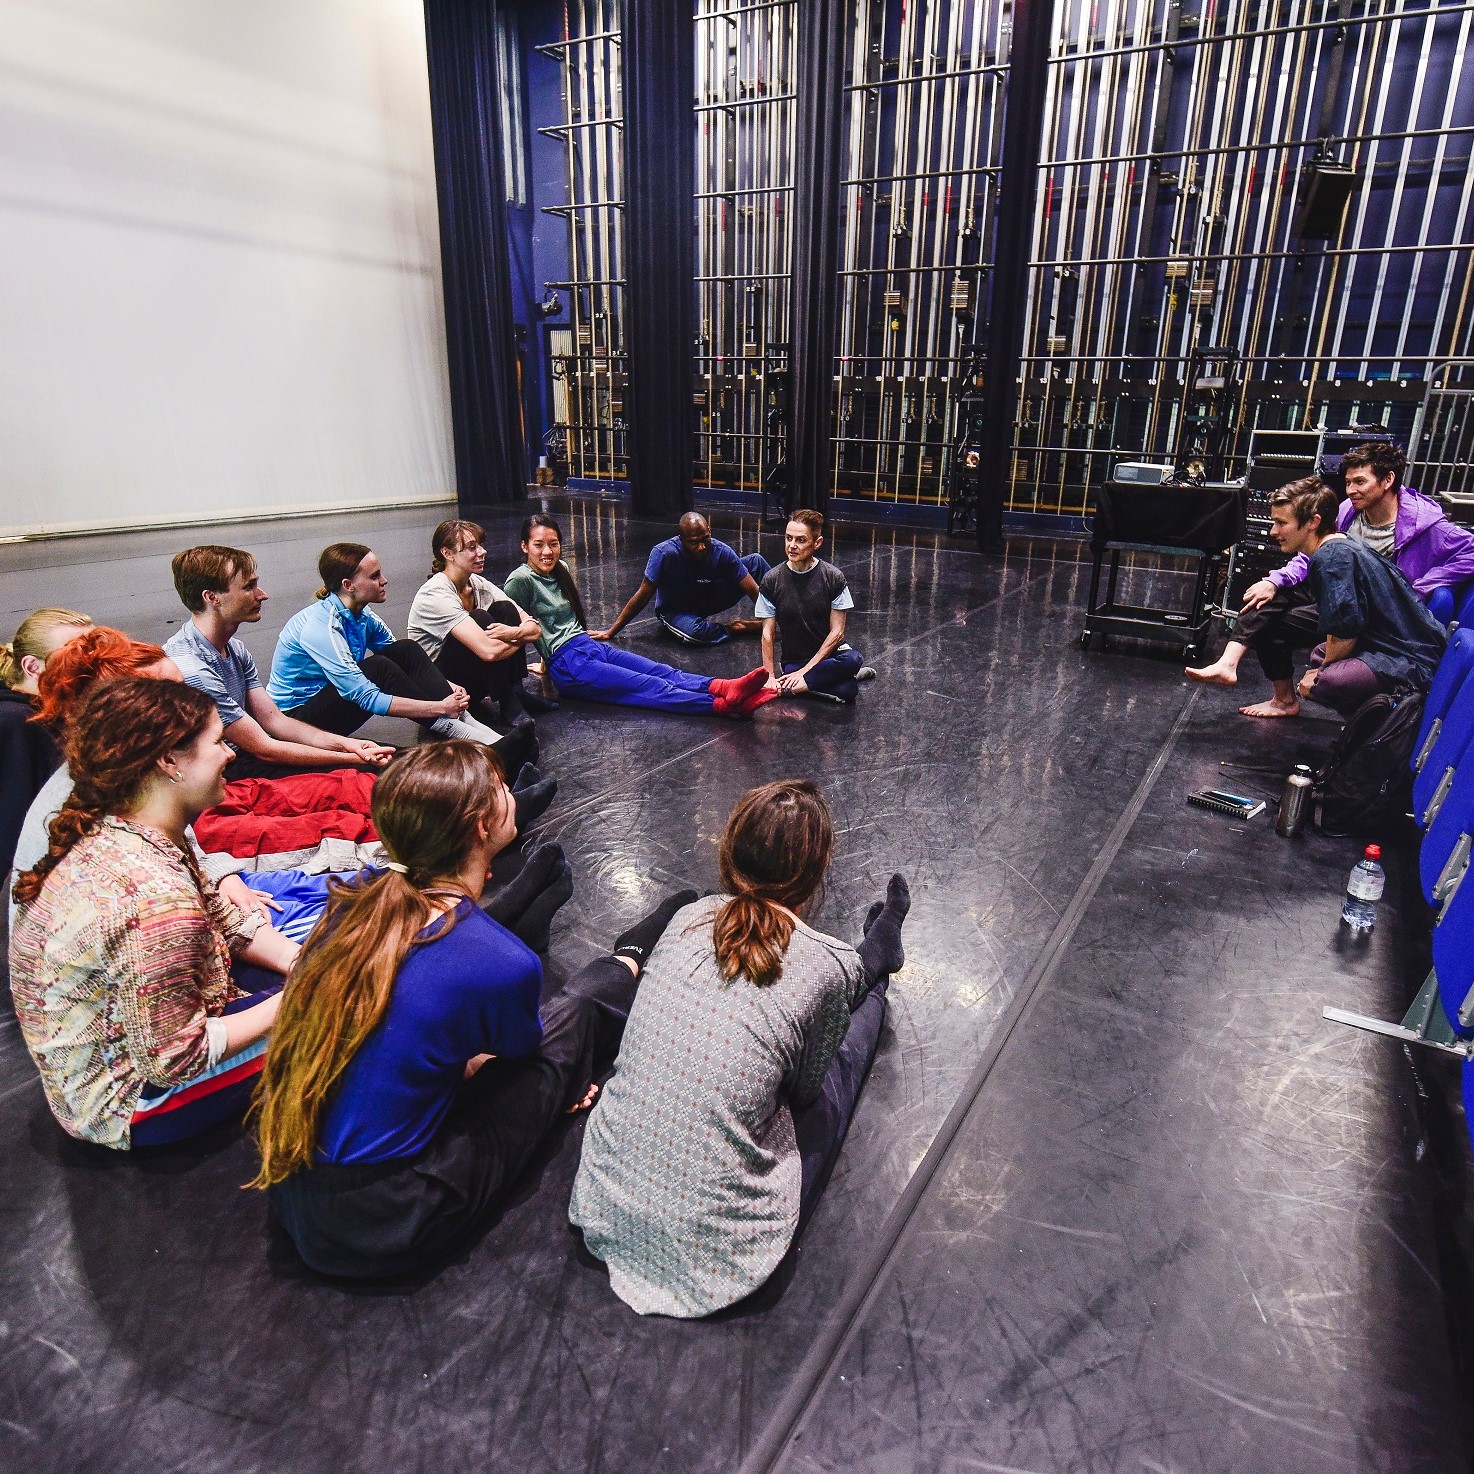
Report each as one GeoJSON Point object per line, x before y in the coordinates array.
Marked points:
{"type": "Point", "coordinates": [527, 775]}
{"type": "Point", "coordinates": [881, 952]}
{"type": "Point", "coordinates": [532, 802]}
{"type": "Point", "coordinates": [512, 709]}
{"type": "Point", "coordinates": [517, 747]}
{"type": "Point", "coordinates": [541, 867]}
{"type": "Point", "coordinates": [534, 923]}
{"type": "Point", "coordinates": [638, 941]}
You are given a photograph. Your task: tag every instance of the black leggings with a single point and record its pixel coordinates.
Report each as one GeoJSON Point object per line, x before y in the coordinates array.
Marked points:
{"type": "Point", "coordinates": [402, 669]}
{"type": "Point", "coordinates": [485, 680]}
{"type": "Point", "coordinates": [388, 1218]}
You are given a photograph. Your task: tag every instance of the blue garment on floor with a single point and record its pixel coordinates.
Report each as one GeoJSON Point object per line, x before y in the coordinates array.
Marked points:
{"type": "Point", "coordinates": [301, 897]}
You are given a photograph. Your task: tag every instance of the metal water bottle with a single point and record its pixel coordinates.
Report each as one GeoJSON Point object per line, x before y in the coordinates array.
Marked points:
{"type": "Point", "coordinates": [1294, 802]}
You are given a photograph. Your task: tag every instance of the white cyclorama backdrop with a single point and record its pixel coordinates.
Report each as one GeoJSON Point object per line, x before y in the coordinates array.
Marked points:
{"type": "Point", "coordinates": [220, 291]}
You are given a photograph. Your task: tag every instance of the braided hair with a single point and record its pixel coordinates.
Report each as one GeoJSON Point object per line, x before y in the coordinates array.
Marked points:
{"type": "Point", "coordinates": [113, 747]}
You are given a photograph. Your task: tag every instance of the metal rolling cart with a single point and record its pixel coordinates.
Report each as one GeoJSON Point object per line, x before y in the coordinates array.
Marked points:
{"type": "Point", "coordinates": [1199, 523]}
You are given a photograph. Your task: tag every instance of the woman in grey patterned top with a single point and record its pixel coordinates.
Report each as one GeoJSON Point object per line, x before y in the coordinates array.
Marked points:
{"type": "Point", "coordinates": [739, 1070]}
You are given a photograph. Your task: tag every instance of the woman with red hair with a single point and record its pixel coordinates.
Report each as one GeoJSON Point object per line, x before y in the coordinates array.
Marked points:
{"type": "Point", "coordinates": [95, 657]}
{"type": "Point", "coordinates": [120, 958]}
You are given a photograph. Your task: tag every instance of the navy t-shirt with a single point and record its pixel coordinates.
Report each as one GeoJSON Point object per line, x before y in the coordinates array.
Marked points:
{"type": "Point", "coordinates": [1365, 598]}
{"type": "Point", "coordinates": [473, 991]}
{"type": "Point", "coordinates": [684, 584]}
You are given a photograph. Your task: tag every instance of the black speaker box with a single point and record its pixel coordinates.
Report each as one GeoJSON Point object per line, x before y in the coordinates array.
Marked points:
{"type": "Point", "coordinates": [1325, 190]}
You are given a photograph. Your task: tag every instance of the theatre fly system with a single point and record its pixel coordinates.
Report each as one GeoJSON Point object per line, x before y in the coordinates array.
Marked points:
{"type": "Point", "coordinates": [1289, 181]}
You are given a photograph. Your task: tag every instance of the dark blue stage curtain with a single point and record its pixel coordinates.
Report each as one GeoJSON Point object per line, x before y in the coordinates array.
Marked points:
{"type": "Point", "coordinates": [659, 56]}
{"type": "Point", "coordinates": [815, 295]}
{"type": "Point", "coordinates": [1023, 122]}
{"type": "Point", "coordinates": [486, 410]}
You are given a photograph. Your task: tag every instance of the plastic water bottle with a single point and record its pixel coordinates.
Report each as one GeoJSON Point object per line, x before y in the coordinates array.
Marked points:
{"type": "Point", "coordinates": [1363, 891]}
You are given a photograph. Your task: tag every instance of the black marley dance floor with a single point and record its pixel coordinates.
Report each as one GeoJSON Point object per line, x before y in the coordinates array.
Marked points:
{"type": "Point", "coordinates": [1115, 1198]}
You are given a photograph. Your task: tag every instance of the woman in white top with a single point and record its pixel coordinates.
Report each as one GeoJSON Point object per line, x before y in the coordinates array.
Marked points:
{"type": "Point", "coordinates": [468, 626]}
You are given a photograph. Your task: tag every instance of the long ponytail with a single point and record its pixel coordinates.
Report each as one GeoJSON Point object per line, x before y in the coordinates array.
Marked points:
{"type": "Point", "coordinates": [562, 576]}
{"type": "Point", "coordinates": [425, 809]}
{"type": "Point", "coordinates": [774, 852]}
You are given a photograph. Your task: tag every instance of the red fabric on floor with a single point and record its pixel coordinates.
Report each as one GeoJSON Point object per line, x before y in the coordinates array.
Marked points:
{"type": "Point", "coordinates": [263, 816]}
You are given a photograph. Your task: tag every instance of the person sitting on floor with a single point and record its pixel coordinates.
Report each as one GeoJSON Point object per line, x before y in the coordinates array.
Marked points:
{"type": "Point", "coordinates": [120, 960]}
{"type": "Point", "coordinates": [28, 752]}
{"type": "Point", "coordinates": [1400, 524]}
{"type": "Point", "coordinates": [691, 577]}
{"type": "Point", "coordinates": [337, 664]}
{"type": "Point", "coordinates": [472, 631]}
{"type": "Point", "coordinates": [593, 671]}
{"type": "Point", "coordinates": [1378, 635]}
{"type": "Point", "coordinates": [804, 604]}
{"type": "Point", "coordinates": [93, 657]}
{"type": "Point", "coordinates": [742, 1061]}
{"type": "Point", "coordinates": [220, 588]}
{"type": "Point", "coordinates": [410, 1077]}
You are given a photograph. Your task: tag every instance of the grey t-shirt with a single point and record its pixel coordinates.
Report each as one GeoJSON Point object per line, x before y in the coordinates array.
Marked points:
{"type": "Point", "coordinates": [226, 679]}
{"type": "Point", "coordinates": [801, 603]}
{"type": "Point", "coordinates": [689, 1183]}
{"type": "Point", "coordinates": [437, 610]}
{"type": "Point", "coordinates": [1381, 540]}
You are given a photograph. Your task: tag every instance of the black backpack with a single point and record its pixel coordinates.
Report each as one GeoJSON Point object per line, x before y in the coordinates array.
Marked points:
{"type": "Point", "coordinates": [1366, 786]}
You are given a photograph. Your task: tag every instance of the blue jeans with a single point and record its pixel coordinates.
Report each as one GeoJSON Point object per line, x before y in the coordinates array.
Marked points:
{"type": "Point", "coordinates": [594, 671]}
{"type": "Point", "coordinates": [695, 627]}
{"type": "Point", "coordinates": [835, 676]}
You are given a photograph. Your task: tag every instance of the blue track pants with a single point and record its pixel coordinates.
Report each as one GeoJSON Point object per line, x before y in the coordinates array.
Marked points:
{"type": "Point", "coordinates": [594, 671]}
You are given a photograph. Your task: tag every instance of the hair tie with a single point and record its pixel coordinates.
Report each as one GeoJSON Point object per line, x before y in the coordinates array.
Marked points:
{"type": "Point", "coordinates": [396, 867]}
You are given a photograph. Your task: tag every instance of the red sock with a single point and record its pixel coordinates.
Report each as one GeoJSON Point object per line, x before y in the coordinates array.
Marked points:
{"type": "Point", "coordinates": [751, 683]}
{"type": "Point", "coordinates": [724, 704]}
{"type": "Point", "coordinates": [757, 699]}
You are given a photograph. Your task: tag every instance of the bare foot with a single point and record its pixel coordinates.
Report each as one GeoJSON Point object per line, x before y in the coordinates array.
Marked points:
{"type": "Point", "coordinates": [1216, 674]}
{"type": "Point", "coordinates": [1272, 708]}
{"type": "Point", "coordinates": [745, 627]}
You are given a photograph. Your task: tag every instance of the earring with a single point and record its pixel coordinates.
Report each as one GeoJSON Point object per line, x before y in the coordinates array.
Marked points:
{"type": "Point", "coordinates": [174, 777]}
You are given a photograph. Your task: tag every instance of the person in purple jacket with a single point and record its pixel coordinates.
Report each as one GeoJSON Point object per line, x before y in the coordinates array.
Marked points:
{"type": "Point", "coordinates": [1398, 522]}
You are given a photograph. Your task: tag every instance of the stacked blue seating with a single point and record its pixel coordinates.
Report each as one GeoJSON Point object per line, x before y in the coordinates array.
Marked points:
{"type": "Point", "coordinates": [1457, 662]}
{"type": "Point", "coordinates": [1448, 835]}
{"type": "Point", "coordinates": [1453, 956]}
{"type": "Point", "coordinates": [1442, 1015]}
{"type": "Point", "coordinates": [1452, 735]}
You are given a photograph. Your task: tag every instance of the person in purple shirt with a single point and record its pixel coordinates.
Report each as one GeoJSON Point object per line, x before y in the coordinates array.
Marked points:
{"type": "Point", "coordinates": [691, 577]}
{"type": "Point", "coordinates": [412, 1073]}
{"type": "Point", "coordinates": [1397, 522]}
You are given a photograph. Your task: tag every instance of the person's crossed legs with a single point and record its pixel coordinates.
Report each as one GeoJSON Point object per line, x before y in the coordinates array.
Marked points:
{"type": "Point", "coordinates": [698, 627]}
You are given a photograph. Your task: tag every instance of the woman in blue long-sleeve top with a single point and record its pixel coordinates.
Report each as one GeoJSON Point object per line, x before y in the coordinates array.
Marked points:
{"type": "Point", "coordinates": [412, 1073]}
{"type": "Point", "coordinates": [337, 663]}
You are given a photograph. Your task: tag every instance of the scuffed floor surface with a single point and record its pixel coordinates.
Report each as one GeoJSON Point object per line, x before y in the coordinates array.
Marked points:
{"type": "Point", "coordinates": [1115, 1197]}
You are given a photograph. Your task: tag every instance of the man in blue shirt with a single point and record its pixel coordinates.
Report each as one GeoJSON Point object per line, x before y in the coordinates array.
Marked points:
{"type": "Point", "coordinates": [691, 577]}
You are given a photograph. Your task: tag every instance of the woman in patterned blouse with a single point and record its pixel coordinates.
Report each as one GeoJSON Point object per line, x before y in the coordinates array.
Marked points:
{"type": "Point", "coordinates": [741, 1064]}
{"type": "Point", "coordinates": [120, 960]}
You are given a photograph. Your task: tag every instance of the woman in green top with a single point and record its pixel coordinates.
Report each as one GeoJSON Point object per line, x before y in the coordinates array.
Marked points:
{"type": "Point", "coordinates": [584, 667]}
